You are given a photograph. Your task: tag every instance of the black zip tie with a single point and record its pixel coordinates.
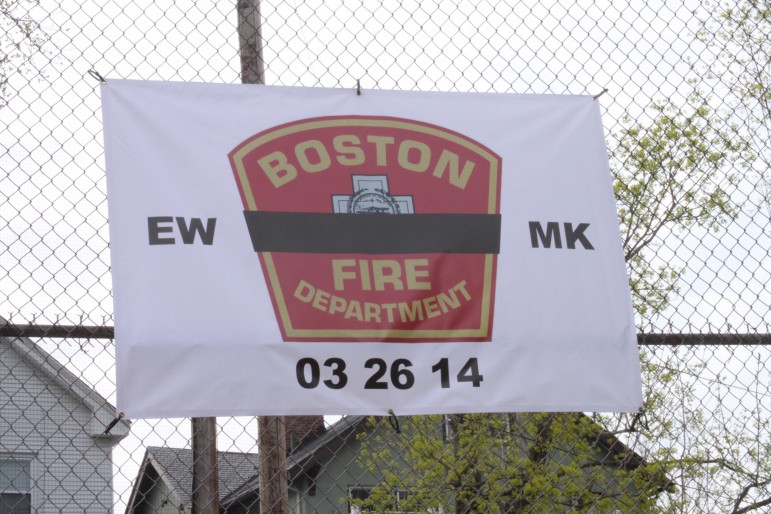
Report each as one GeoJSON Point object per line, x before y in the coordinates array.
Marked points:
{"type": "Point", "coordinates": [97, 76]}
{"type": "Point", "coordinates": [394, 421]}
{"type": "Point", "coordinates": [113, 423]}
{"type": "Point", "coordinates": [595, 97]}
{"type": "Point", "coordinates": [358, 87]}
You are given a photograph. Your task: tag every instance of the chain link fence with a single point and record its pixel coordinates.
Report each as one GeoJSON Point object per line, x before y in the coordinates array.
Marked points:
{"type": "Point", "coordinates": [687, 115]}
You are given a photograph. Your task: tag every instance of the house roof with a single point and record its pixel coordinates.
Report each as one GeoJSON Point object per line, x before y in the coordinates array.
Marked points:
{"type": "Point", "coordinates": [311, 452]}
{"type": "Point", "coordinates": [239, 480]}
{"type": "Point", "coordinates": [174, 467]}
{"type": "Point", "coordinates": [42, 362]}
{"type": "Point", "coordinates": [237, 472]}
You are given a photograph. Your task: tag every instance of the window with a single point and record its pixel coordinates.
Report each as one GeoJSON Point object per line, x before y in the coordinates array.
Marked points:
{"type": "Point", "coordinates": [15, 486]}
{"type": "Point", "coordinates": [357, 493]}
{"type": "Point", "coordinates": [362, 493]}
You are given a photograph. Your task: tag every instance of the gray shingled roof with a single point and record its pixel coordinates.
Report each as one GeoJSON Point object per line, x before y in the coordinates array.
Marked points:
{"type": "Point", "coordinates": [177, 468]}
{"type": "Point", "coordinates": [312, 451]}
{"type": "Point", "coordinates": [237, 471]}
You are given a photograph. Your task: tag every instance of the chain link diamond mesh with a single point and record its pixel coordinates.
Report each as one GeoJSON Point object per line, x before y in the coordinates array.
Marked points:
{"type": "Point", "coordinates": [687, 115]}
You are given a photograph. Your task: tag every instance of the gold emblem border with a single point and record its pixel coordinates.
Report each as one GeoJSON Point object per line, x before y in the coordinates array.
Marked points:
{"type": "Point", "coordinates": [303, 126]}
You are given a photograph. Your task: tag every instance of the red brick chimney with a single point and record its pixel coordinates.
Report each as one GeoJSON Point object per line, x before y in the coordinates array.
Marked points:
{"type": "Point", "coordinates": [300, 427]}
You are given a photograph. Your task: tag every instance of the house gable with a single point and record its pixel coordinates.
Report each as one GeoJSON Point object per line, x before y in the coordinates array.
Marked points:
{"type": "Point", "coordinates": [51, 372]}
{"type": "Point", "coordinates": [165, 479]}
{"type": "Point", "coordinates": [153, 491]}
{"type": "Point", "coordinates": [54, 421]}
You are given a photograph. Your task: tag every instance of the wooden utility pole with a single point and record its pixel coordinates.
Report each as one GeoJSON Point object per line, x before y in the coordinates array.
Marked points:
{"type": "Point", "coordinates": [271, 448]}
{"type": "Point", "coordinates": [205, 475]}
{"type": "Point", "coordinates": [205, 480]}
{"type": "Point", "coordinates": [250, 42]}
{"type": "Point", "coordinates": [271, 441]}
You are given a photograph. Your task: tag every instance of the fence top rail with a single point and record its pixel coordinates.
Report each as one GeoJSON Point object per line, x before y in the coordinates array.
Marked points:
{"type": "Point", "coordinates": [57, 331]}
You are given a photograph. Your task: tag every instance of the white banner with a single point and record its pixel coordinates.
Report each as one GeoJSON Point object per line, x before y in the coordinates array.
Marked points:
{"type": "Point", "coordinates": [283, 250]}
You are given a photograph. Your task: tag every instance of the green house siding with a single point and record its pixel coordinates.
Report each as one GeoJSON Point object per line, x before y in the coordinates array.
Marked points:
{"type": "Point", "coordinates": [334, 479]}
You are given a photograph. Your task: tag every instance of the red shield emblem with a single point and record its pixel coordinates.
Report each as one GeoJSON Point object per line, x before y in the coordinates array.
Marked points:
{"type": "Point", "coordinates": [373, 228]}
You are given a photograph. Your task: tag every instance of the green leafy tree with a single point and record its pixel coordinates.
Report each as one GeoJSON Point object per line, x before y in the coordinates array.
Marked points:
{"type": "Point", "coordinates": [718, 456]}
{"type": "Point", "coordinates": [668, 175]}
{"type": "Point", "coordinates": [733, 468]}
{"type": "Point", "coordinates": [20, 38]}
{"type": "Point", "coordinates": [738, 35]}
{"type": "Point", "coordinates": [507, 463]}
